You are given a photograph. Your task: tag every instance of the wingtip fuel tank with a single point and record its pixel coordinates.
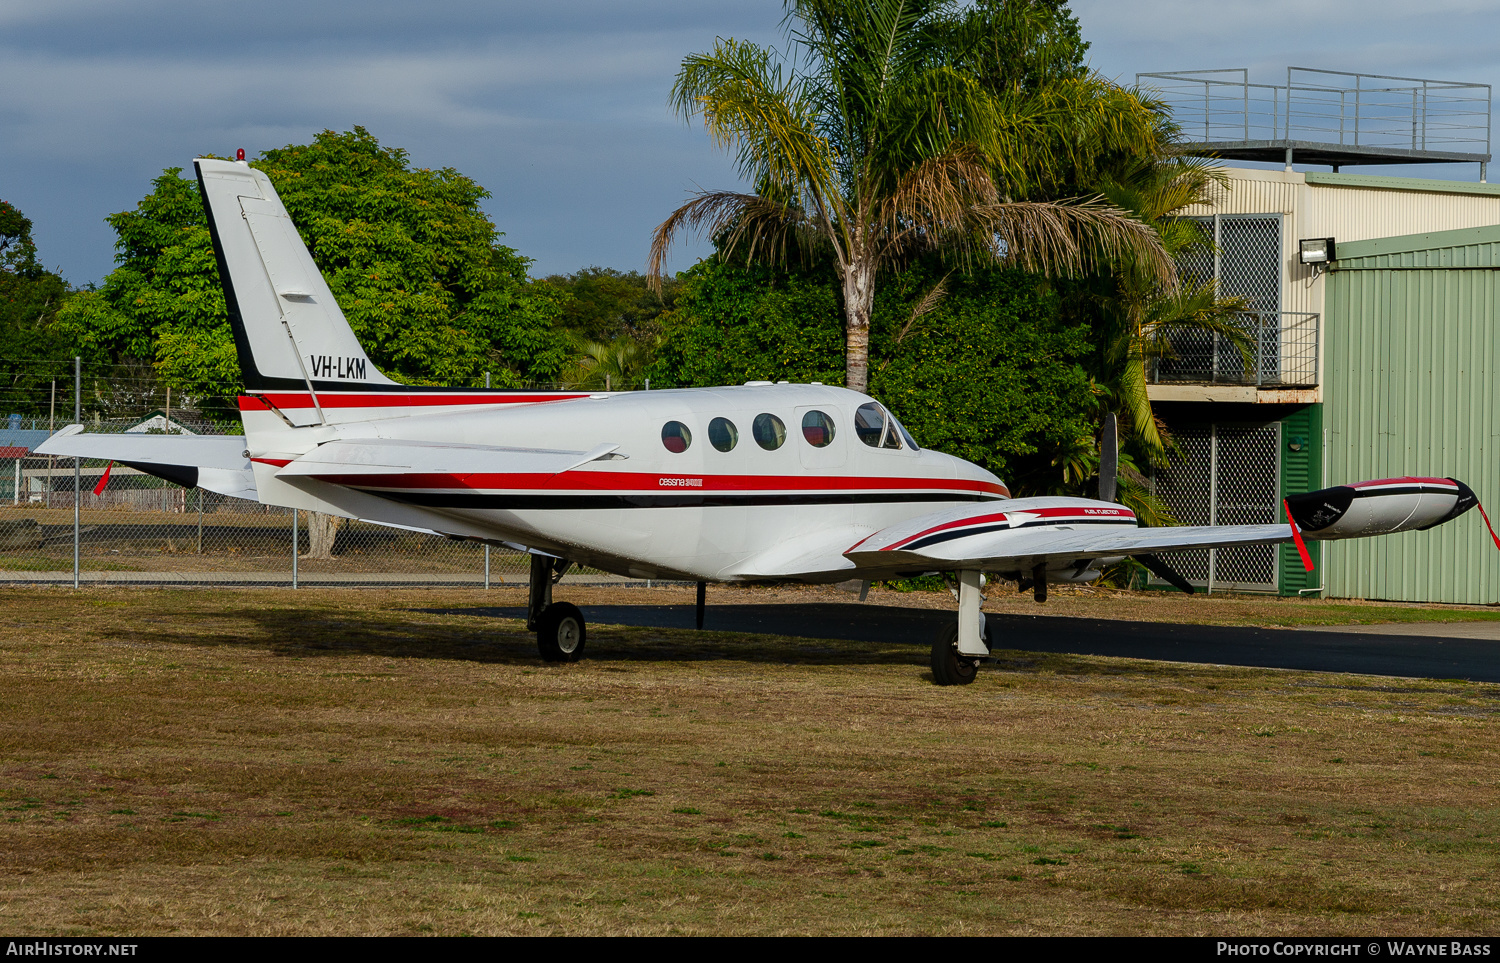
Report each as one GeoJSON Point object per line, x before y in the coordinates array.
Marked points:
{"type": "Point", "coordinates": [1380, 507]}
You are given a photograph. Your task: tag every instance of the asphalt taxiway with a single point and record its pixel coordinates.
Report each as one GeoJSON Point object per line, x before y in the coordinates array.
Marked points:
{"type": "Point", "coordinates": [1465, 650]}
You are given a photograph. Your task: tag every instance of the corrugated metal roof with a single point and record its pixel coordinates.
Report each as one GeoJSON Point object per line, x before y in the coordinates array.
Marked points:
{"type": "Point", "coordinates": [1469, 247]}
{"type": "Point", "coordinates": [1377, 182]}
{"type": "Point", "coordinates": [27, 437]}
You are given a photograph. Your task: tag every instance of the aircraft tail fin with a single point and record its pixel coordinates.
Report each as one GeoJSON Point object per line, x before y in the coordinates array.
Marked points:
{"type": "Point", "coordinates": [288, 329]}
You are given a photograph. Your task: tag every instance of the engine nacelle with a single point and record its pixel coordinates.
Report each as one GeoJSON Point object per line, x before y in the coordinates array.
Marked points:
{"type": "Point", "coordinates": [1380, 507]}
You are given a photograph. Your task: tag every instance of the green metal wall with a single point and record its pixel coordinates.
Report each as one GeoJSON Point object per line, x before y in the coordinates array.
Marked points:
{"type": "Point", "coordinates": [1301, 471]}
{"type": "Point", "coordinates": [1410, 388]}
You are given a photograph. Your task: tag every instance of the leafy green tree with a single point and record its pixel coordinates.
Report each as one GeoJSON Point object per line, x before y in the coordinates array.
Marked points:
{"type": "Point", "coordinates": [885, 139]}
{"type": "Point", "coordinates": [601, 304]}
{"type": "Point", "coordinates": [1133, 318]}
{"type": "Point", "coordinates": [31, 354]}
{"type": "Point", "coordinates": [988, 371]}
{"type": "Point", "coordinates": [411, 258]}
{"type": "Point", "coordinates": [615, 365]}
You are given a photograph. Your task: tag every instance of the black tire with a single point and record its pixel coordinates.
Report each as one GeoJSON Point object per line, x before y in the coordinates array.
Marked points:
{"type": "Point", "coordinates": [948, 667]}
{"type": "Point", "coordinates": [561, 633]}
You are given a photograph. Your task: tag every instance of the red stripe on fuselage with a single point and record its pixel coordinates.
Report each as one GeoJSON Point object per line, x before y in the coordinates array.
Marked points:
{"type": "Point", "coordinates": [370, 399]}
{"type": "Point", "coordinates": [642, 482]}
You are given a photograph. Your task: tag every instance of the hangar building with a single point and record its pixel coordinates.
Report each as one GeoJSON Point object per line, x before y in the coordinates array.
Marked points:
{"type": "Point", "coordinates": [1383, 360]}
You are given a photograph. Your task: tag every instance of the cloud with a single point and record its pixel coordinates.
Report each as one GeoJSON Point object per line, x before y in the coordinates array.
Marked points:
{"type": "Point", "coordinates": [559, 109]}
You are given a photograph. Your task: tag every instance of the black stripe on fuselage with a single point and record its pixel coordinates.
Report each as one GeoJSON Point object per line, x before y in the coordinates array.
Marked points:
{"type": "Point", "coordinates": [966, 532]}
{"type": "Point", "coordinates": [547, 502]}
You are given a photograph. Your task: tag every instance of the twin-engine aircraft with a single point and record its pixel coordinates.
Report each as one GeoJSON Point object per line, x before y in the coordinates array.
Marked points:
{"type": "Point", "coordinates": [758, 482]}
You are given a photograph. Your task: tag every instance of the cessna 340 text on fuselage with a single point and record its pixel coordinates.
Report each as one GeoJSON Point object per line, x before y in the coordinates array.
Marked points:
{"type": "Point", "coordinates": [757, 482]}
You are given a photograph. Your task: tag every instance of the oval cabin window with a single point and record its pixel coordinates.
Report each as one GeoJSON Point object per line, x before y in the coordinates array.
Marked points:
{"type": "Point", "coordinates": [676, 437]}
{"type": "Point", "coordinates": [769, 431]}
{"type": "Point", "coordinates": [817, 428]}
{"type": "Point", "coordinates": [722, 434]}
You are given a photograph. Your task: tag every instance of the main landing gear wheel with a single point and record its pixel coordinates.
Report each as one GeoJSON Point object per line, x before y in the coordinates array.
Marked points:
{"type": "Point", "coordinates": [948, 667]}
{"type": "Point", "coordinates": [561, 633]}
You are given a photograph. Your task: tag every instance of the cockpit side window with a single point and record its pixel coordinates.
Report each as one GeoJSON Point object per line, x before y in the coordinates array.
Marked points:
{"type": "Point", "coordinates": [878, 428]}
{"type": "Point", "coordinates": [910, 441]}
{"type": "Point", "coordinates": [869, 424]}
{"type": "Point", "coordinates": [892, 433]}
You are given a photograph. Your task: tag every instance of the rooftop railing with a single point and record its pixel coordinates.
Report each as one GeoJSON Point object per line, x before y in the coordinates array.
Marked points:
{"type": "Point", "coordinates": [1367, 112]}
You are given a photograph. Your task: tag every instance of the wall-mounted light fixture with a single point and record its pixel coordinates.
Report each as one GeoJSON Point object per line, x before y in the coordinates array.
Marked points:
{"type": "Point", "coordinates": [1316, 252]}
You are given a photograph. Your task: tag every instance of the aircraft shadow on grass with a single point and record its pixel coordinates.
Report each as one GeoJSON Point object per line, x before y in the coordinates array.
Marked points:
{"type": "Point", "coordinates": [856, 635]}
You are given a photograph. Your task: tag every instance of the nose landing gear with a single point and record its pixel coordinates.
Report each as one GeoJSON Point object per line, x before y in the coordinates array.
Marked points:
{"type": "Point", "coordinates": [962, 643]}
{"type": "Point", "coordinates": [948, 667]}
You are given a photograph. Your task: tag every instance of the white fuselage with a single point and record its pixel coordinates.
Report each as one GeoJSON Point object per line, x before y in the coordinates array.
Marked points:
{"type": "Point", "coordinates": [644, 510]}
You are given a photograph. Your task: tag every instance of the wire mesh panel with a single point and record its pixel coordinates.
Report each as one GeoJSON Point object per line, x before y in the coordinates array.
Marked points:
{"type": "Point", "coordinates": [1194, 351]}
{"type": "Point", "coordinates": [1250, 268]}
{"type": "Point", "coordinates": [1247, 473]}
{"type": "Point", "coordinates": [1186, 485]}
{"type": "Point", "coordinates": [1227, 475]}
{"type": "Point", "coordinates": [1242, 257]}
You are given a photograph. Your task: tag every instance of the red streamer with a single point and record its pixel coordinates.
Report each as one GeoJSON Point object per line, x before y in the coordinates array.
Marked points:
{"type": "Point", "coordinates": [104, 479]}
{"type": "Point", "coordinates": [1487, 522]}
{"type": "Point", "coordinates": [1302, 546]}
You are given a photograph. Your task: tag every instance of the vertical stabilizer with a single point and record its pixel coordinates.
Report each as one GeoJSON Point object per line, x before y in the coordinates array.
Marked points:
{"type": "Point", "coordinates": [288, 329]}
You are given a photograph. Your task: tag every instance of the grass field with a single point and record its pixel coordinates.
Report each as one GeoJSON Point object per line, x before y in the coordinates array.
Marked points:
{"type": "Point", "coordinates": [343, 762]}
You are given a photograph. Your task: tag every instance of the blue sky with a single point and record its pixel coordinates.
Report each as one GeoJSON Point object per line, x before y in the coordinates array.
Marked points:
{"type": "Point", "coordinates": [558, 109]}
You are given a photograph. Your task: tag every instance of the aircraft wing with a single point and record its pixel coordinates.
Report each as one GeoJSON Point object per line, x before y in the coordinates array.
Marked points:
{"type": "Point", "coordinates": [1026, 532]}
{"type": "Point", "coordinates": [982, 541]}
{"type": "Point", "coordinates": [216, 463]}
{"type": "Point", "coordinates": [1066, 535]}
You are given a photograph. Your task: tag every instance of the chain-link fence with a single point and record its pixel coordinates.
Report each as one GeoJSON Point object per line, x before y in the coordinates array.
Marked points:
{"type": "Point", "coordinates": [137, 528]}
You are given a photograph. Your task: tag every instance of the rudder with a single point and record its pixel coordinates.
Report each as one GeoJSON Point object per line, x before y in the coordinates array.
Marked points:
{"type": "Point", "coordinates": [289, 331]}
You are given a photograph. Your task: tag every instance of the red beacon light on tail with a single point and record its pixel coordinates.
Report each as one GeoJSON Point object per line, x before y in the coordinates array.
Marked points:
{"type": "Point", "coordinates": [239, 155]}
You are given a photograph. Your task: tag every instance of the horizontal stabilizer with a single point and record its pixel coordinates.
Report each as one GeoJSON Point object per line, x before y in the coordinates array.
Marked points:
{"type": "Point", "coordinates": [215, 463]}
{"type": "Point", "coordinates": [371, 456]}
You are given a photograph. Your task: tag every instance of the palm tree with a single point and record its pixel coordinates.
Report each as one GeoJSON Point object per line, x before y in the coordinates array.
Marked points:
{"type": "Point", "coordinates": [1134, 315]}
{"type": "Point", "coordinates": [879, 142]}
{"type": "Point", "coordinates": [611, 365]}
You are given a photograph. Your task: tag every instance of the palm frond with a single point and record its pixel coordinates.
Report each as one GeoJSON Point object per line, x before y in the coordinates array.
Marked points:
{"type": "Point", "coordinates": [753, 226]}
{"type": "Point", "coordinates": [925, 304]}
{"type": "Point", "coordinates": [1069, 237]}
{"type": "Point", "coordinates": [933, 203]}
{"type": "Point", "coordinates": [768, 120]}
